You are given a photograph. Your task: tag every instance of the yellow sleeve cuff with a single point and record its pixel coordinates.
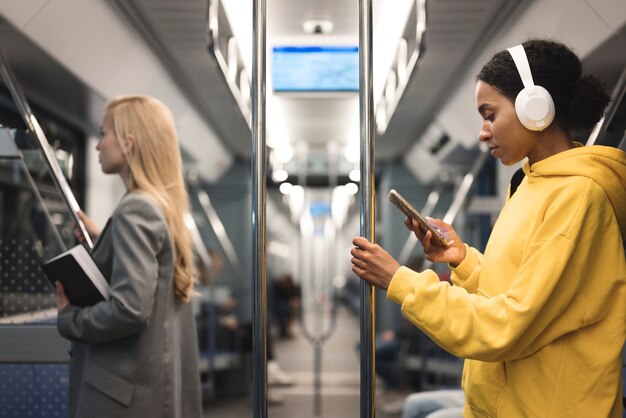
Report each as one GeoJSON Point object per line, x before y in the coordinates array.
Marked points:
{"type": "Point", "coordinates": [466, 267]}
{"type": "Point", "coordinates": [405, 282]}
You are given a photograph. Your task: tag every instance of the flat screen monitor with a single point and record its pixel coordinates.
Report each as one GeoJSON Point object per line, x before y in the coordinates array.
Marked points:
{"type": "Point", "coordinates": [315, 69]}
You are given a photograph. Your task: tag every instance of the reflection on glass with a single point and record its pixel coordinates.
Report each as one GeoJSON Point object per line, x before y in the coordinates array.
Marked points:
{"type": "Point", "coordinates": [35, 225]}
{"type": "Point", "coordinates": [38, 207]}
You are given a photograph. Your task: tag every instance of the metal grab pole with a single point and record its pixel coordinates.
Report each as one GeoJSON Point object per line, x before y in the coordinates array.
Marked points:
{"type": "Point", "coordinates": [366, 107]}
{"type": "Point", "coordinates": [259, 160]}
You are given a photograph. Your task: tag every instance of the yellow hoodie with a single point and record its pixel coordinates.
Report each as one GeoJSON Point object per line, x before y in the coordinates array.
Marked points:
{"type": "Point", "coordinates": [541, 316]}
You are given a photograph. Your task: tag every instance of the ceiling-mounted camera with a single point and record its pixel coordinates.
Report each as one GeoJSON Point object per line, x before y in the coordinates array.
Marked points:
{"type": "Point", "coordinates": [317, 26]}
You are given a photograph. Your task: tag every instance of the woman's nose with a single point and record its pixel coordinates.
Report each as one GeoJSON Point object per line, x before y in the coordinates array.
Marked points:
{"type": "Point", "coordinates": [484, 135]}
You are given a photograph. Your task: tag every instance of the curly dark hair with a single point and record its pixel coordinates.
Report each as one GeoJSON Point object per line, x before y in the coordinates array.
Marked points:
{"type": "Point", "coordinates": [579, 100]}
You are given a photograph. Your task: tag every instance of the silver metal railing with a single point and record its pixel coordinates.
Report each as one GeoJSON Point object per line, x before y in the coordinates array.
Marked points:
{"type": "Point", "coordinates": [259, 168]}
{"type": "Point", "coordinates": [367, 215]}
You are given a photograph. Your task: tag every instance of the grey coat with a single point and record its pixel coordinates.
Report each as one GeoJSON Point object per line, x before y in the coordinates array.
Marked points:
{"type": "Point", "coordinates": [135, 355]}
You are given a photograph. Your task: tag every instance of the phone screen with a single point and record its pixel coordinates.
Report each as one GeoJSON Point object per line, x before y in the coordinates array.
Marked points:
{"type": "Point", "coordinates": [406, 208]}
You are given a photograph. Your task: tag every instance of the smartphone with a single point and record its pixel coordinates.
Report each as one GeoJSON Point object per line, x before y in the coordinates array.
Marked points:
{"type": "Point", "coordinates": [410, 212]}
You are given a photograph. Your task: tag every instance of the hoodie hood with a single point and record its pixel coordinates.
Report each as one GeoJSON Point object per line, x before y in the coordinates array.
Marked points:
{"type": "Point", "coordinates": [604, 165]}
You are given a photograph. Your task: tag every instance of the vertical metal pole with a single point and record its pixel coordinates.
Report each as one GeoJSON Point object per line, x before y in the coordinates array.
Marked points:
{"type": "Point", "coordinates": [366, 108]}
{"type": "Point", "coordinates": [317, 381]}
{"type": "Point", "coordinates": [259, 164]}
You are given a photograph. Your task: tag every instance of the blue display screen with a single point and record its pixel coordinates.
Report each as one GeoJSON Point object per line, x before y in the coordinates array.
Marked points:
{"type": "Point", "coordinates": [315, 68]}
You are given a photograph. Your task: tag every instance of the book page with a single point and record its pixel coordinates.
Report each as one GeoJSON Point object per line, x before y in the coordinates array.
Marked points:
{"type": "Point", "coordinates": [89, 266]}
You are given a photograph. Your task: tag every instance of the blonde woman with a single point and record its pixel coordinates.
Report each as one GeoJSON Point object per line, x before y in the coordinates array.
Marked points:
{"type": "Point", "coordinates": [135, 355]}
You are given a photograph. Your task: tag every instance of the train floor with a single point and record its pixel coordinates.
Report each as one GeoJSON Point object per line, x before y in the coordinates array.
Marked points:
{"type": "Point", "coordinates": [340, 378]}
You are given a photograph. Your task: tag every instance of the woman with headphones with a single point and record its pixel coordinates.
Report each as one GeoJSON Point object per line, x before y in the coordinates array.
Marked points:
{"type": "Point", "coordinates": [540, 316]}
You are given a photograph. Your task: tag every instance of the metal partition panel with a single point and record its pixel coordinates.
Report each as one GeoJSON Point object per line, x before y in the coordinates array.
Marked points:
{"type": "Point", "coordinates": [26, 345]}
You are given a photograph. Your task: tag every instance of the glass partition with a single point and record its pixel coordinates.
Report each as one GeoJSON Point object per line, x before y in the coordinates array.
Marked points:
{"type": "Point", "coordinates": [34, 139]}
{"type": "Point", "coordinates": [35, 226]}
{"type": "Point", "coordinates": [38, 208]}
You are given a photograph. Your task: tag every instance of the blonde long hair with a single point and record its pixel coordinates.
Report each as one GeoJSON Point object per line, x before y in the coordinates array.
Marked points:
{"type": "Point", "coordinates": [155, 168]}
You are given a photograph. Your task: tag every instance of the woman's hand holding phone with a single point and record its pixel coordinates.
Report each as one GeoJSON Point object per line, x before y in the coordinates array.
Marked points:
{"type": "Point", "coordinates": [452, 253]}
{"type": "Point", "coordinates": [440, 241]}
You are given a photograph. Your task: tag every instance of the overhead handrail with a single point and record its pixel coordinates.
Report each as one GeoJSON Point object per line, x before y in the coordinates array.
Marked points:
{"type": "Point", "coordinates": [33, 125]}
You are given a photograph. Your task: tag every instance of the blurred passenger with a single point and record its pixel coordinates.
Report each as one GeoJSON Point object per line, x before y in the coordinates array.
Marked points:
{"type": "Point", "coordinates": [234, 334]}
{"type": "Point", "coordinates": [276, 376]}
{"type": "Point", "coordinates": [135, 355]}
{"type": "Point", "coordinates": [391, 346]}
{"type": "Point", "coordinates": [540, 315]}
{"type": "Point", "coordinates": [208, 274]}
{"type": "Point", "coordinates": [446, 403]}
{"type": "Point", "coordinates": [285, 303]}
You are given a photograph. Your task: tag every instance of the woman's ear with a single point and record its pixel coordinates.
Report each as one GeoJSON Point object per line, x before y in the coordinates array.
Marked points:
{"type": "Point", "coordinates": [129, 144]}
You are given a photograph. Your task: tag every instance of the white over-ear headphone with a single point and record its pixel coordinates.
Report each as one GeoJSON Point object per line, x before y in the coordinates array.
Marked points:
{"type": "Point", "coordinates": [533, 104]}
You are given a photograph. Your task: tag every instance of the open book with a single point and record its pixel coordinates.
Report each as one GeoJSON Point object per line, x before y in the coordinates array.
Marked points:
{"type": "Point", "coordinates": [82, 280]}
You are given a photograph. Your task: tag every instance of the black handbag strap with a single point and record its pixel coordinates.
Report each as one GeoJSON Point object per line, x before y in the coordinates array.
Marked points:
{"type": "Point", "coordinates": [517, 178]}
